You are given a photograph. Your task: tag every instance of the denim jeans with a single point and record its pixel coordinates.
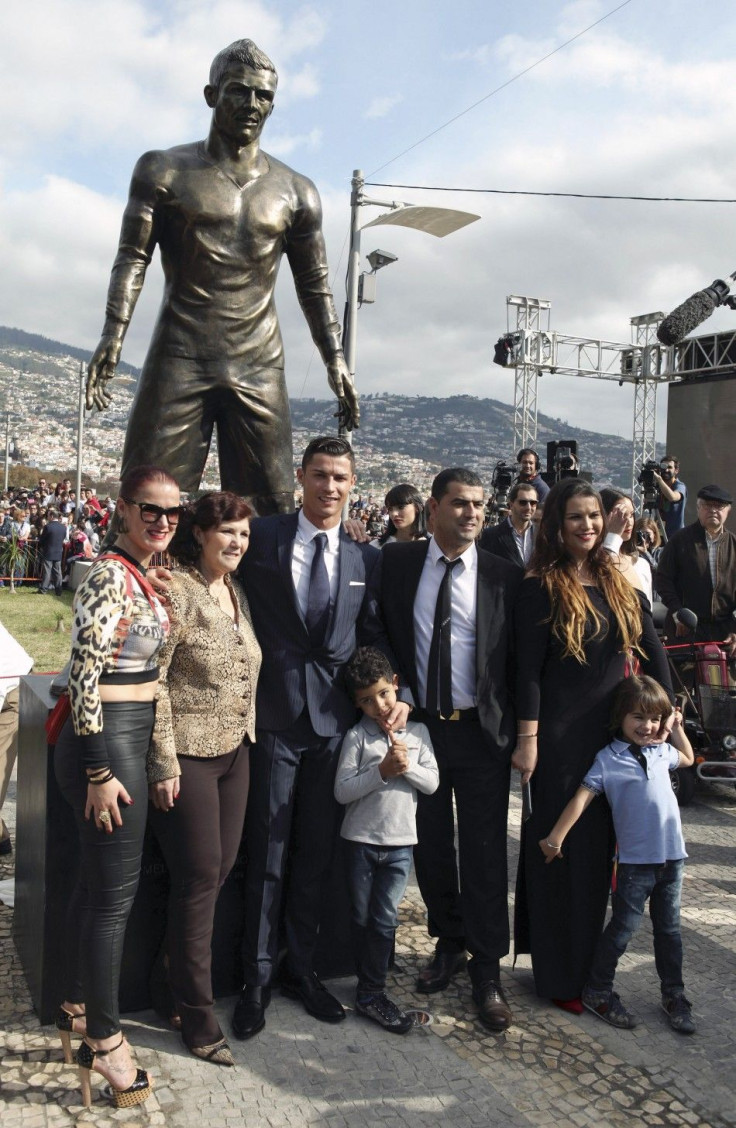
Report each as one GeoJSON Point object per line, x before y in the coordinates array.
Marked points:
{"type": "Point", "coordinates": [662, 886]}
{"type": "Point", "coordinates": [377, 876]}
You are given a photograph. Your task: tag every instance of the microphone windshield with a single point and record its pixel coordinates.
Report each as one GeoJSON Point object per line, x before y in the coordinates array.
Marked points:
{"type": "Point", "coordinates": [687, 317]}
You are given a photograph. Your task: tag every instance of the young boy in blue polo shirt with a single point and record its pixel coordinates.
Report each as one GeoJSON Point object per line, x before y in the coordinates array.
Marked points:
{"type": "Point", "coordinates": [633, 774]}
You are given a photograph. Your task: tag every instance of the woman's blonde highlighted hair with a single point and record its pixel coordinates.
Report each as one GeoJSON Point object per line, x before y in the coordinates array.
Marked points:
{"type": "Point", "coordinates": [572, 608]}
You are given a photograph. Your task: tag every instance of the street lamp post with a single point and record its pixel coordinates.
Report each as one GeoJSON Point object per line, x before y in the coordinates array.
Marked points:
{"type": "Point", "coordinates": [6, 475]}
{"type": "Point", "coordinates": [80, 432]}
{"type": "Point", "coordinates": [433, 221]}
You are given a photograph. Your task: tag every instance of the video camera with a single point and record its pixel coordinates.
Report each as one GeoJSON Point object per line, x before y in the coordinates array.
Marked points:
{"type": "Point", "coordinates": [562, 461]}
{"type": "Point", "coordinates": [504, 476]}
{"type": "Point", "coordinates": [650, 490]}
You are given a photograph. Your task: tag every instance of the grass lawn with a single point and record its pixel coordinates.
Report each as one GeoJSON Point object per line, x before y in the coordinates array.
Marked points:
{"type": "Point", "coordinates": [32, 620]}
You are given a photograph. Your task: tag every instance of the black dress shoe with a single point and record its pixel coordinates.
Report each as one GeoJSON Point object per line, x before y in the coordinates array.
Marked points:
{"type": "Point", "coordinates": [439, 971]}
{"type": "Point", "coordinates": [493, 1010]}
{"type": "Point", "coordinates": [314, 995]}
{"type": "Point", "coordinates": [249, 1015]}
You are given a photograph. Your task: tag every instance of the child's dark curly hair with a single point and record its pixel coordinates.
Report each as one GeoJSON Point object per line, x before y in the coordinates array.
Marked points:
{"type": "Point", "coordinates": [366, 667]}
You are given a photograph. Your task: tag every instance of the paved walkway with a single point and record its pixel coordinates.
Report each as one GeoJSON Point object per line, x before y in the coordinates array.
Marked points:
{"type": "Point", "coordinates": [549, 1069]}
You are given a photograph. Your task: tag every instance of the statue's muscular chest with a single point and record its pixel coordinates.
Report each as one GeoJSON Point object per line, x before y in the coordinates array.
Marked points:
{"type": "Point", "coordinates": [204, 203]}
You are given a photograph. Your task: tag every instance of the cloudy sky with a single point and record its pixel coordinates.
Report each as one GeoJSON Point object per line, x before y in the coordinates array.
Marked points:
{"type": "Point", "coordinates": [642, 104]}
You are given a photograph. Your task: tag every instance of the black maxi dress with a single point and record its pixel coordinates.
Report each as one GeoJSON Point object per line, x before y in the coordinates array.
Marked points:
{"type": "Point", "coordinates": [561, 907]}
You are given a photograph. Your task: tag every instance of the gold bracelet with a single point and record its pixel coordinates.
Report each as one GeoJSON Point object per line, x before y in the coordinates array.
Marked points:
{"type": "Point", "coordinates": [527, 735]}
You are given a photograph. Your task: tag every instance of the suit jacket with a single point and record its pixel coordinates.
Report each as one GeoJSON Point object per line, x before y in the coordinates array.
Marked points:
{"type": "Point", "coordinates": [499, 540]}
{"type": "Point", "coordinates": [498, 581]}
{"type": "Point", "coordinates": [294, 674]}
{"type": "Point", "coordinates": [51, 541]}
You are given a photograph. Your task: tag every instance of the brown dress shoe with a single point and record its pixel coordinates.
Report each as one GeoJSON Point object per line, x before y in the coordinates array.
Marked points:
{"type": "Point", "coordinates": [493, 1010]}
{"type": "Point", "coordinates": [439, 971]}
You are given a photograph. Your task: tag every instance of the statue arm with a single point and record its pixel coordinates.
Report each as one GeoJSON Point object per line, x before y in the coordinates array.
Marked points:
{"type": "Point", "coordinates": [305, 250]}
{"type": "Point", "coordinates": [137, 241]}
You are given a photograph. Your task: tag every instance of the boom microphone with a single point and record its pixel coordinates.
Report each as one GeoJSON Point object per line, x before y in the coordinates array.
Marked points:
{"type": "Point", "coordinates": [694, 312]}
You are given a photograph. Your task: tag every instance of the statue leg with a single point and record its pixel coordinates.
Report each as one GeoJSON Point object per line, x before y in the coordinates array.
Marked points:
{"type": "Point", "coordinates": [171, 420]}
{"type": "Point", "coordinates": [254, 441]}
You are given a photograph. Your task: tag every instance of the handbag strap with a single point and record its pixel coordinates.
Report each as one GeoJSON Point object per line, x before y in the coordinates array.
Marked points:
{"type": "Point", "coordinates": [143, 583]}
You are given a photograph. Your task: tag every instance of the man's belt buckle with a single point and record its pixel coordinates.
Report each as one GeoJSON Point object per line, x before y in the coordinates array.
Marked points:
{"type": "Point", "coordinates": [454, 716]}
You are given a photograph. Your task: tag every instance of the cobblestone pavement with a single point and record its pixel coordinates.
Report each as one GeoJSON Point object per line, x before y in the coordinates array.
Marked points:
{"type": "Point", "coordinates": [550, 1068]}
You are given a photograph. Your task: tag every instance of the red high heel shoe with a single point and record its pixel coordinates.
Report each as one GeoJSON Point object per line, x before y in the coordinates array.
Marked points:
{"type": "Point", "coordinates": [136, 1093]}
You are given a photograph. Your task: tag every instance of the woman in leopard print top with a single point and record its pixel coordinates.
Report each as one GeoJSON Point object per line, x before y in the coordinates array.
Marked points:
{"type": "Point", "coordinates": [198, 762]}
{"type": "Point", "coordinates": [100, 761]}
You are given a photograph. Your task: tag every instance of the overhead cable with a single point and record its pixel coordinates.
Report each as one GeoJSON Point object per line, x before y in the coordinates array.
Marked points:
{"type": "Point", "coordinates": [569, 195]}
{"type": "Point", "coordinates": [503, 86]}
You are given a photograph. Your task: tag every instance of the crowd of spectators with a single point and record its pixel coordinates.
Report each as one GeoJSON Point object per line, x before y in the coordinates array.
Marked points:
{"type": "Point", "coordinates": [25, 513]}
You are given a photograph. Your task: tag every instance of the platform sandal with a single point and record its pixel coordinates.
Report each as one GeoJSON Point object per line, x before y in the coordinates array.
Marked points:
{"type": "Point", "coordinates": [65, 1025]}
{"type": "Point", "coordinates": [135, 1094]}
{"type": "Point", "coordinates": [219, 1053]}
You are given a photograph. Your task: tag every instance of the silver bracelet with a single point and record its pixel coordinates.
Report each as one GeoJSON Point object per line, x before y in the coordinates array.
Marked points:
{"type": "Point", "coordinates": [552, 846]}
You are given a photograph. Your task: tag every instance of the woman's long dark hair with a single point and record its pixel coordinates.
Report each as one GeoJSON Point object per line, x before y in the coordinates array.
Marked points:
{"type": "Point", "coordinates": [610, 497]}
{"type": "Point", "coordinates": [571, 605]}
{"type": "Point", "coordinates": [208, 512]}
{"type": "Point", "coordinates": [406, 494]}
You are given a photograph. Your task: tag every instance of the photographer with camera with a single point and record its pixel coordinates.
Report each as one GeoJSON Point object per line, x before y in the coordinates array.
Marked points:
{"type": "Point", "coordinates": [530, 467]}
{"type": "Point", "coordinates": [672, 495]}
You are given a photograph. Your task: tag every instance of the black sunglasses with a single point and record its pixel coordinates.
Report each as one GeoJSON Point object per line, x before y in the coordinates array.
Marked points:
{"type": "Point", "coordinates": [526, 501]}
{"type": "Point", "coordinates": [150, 513]}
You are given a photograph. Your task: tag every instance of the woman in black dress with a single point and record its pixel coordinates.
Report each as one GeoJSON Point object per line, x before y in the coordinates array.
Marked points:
{"type": "Point", "coordinates": [579, 623]}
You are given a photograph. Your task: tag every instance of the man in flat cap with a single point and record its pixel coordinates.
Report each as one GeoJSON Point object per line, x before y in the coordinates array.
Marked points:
{"type": "Point", "coordinates": [697, 570]}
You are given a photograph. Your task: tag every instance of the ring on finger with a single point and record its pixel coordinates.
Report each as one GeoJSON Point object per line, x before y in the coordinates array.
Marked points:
{"type": "Point", "coordinates": [104, 817]}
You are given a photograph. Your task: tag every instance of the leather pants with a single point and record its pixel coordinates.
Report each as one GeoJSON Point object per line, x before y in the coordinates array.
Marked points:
{"type": "Point", "coordinates": [110, 864]}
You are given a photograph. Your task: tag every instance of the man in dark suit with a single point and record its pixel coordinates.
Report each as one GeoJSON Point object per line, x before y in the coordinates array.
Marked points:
{"type": "Point", "coordinates": [428, 588]}
{"type": "Point", "coordinates": [513, 538]}
{"type": "Point", "coordinates": [312, 593]}
{"type": "Point", "coordinates": [51, 547]}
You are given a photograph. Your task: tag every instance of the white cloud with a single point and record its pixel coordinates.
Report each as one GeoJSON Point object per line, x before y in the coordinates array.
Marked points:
{"type": "Point", "coordinates": [381, 106]}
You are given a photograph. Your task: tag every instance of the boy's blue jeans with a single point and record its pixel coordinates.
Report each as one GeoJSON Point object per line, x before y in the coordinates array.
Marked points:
{"type": "Point", "coordinates": [662, 886]}
{"type": "Point", "coordinates": [377, 876]}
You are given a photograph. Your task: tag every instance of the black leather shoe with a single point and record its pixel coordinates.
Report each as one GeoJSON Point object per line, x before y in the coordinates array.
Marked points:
{"type": "Point", "coordinates": [249, 1015]}
{"type": "Point", "coordinates": [314, 995]}
{"type": "Point", "coordinates": [493, 1010]}
{"type": "Point", "coordinates": [439, 971]}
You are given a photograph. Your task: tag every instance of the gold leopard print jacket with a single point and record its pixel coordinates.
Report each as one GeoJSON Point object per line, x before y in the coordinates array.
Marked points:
{"type": "Point", "coordinates": [208, 672]}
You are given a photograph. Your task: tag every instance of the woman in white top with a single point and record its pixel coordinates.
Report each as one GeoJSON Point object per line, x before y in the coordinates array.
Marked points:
{"type": "Point", "coordinates": [621, 543]}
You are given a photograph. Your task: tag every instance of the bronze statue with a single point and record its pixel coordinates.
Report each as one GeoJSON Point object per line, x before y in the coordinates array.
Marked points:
{"type": "Point", "coordinates": [222, 213]}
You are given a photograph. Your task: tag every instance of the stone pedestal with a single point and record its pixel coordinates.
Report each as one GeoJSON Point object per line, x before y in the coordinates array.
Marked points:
{"type": "Point", "coordinates": [47, 857]}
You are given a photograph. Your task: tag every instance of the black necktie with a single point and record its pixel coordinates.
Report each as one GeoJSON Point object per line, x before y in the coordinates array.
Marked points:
{"type": "Point", "coordinates": [318, 598]}
{"type": "Point", "coordinates": [439, 666]}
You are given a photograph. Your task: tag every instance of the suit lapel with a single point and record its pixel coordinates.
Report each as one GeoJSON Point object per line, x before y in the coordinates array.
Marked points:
{"type": "Point", "coordinates": [483, 611]}
{"type": "Point", "coordinates": [285, 540]}
{"type": "Point", "coordinates": [349, 567]}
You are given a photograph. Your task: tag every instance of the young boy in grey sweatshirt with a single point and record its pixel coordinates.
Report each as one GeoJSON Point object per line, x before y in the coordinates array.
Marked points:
{"type": "Point", "coordinates": [378, 775]}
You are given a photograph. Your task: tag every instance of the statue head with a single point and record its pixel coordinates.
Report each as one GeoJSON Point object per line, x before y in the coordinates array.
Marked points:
{"type": "Point", "coordinates": [241, 91]}
{"type": "Point", "coordinates": [242, 53]}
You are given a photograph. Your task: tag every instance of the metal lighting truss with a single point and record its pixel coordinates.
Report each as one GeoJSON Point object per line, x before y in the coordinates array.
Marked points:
{"type": "Point", "coordinates": [644, 362]}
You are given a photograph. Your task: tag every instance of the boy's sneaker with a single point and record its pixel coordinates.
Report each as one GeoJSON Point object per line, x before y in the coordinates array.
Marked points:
{"type": "Point", "coordinates": [679, 1012]}
{"type": "Point", "coordinates": [385, 1012]}
{"type": "Point", "coordinates": [609, 1008]}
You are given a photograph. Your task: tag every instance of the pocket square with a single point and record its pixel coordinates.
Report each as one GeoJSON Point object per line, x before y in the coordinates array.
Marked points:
{"type": "Point", "coordinates": [357, 583]}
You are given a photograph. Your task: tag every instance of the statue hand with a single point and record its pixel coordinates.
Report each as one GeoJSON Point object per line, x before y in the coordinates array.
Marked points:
{"type": "Point", "coordinates": [100, 371]}
{"type": "Point", "coordinates": [341, 383]}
